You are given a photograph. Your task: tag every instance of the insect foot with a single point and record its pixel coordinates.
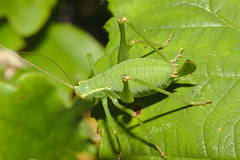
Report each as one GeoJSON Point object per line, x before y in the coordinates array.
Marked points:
{"type": "Point", "coordinates": [203, 103]}
{"type": "Point", "coordinates": [120, 148]}
{"type": "Point", "coordinates": [162, 154]}
{"type": "Point", "coordinates": [168, 40]}
{"type": "Point", "coordinates": [179, 55]}
{"type": "Point", "coordinates": [174, 76]}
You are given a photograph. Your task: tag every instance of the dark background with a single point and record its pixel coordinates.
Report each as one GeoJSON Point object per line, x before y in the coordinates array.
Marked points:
{"type": "Point", "coordinates": [89, 15]}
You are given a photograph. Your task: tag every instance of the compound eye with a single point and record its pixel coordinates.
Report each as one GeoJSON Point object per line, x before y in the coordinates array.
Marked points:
{"type": "Point", "coordinates": [79, 82]}
{"type": "Point", "coordinates": [83, 96]}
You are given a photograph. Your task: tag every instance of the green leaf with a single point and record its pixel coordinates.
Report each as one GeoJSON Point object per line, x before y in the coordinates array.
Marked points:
{"type": "Point", "coordinates": [26, 17]}
{"type": "Point", "coordinates": [9, 38]}
{"type": "Point", "coordinates": [209, 33]}
{"type": "Point", "coordinates": [34, 123]}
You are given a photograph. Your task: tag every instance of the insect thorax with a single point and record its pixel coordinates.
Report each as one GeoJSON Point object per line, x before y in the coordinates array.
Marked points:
{"type": "Point", "coordinates": [96, 87]}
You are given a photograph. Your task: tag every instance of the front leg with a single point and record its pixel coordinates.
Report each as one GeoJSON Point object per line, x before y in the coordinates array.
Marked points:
{"type": "Point", "coordinates": [112, 125]}
{"type": "Point", "coordinates": [134, 115]}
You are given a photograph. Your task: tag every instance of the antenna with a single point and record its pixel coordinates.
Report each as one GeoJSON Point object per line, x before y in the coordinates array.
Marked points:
{"type": "Point", "coordinates": [12, 52]}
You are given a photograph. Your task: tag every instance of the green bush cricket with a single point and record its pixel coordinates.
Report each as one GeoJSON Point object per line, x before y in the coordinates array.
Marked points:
{"type": "Point", "coordinates": [131, 78]}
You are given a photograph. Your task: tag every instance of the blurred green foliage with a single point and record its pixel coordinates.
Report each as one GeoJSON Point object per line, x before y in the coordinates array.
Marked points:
{"type": "Point", "coordinates": [40, 119]}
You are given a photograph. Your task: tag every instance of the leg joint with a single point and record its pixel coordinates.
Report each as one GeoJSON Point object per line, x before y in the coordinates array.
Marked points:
{"type": "Point", "coordinates": [115, 132]}
{"type": "Point", "coordinates": [133, 114]}
{"type": "Point", "coordinates": [122, 19]}
{"type": "Point", "coordinates": [125, 77]}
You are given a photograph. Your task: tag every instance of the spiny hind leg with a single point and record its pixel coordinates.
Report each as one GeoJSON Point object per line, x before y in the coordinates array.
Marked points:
{"type": "Point", "coordinates": [112, 125]}
{"type": "Point", "coordinates": [134, 115]}
{"type": "Point", "coordinates": [203, 103]}
{"type": "Point", "coordinates": [157, 45]}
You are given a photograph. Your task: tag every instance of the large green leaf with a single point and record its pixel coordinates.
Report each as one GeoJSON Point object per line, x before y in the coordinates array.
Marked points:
{"type": "Point", "coordinates": [9, 38]}
{"type": "Point", "coordinates": [209, 33]}
{"type": "Point", "coordinates": [26, 17]}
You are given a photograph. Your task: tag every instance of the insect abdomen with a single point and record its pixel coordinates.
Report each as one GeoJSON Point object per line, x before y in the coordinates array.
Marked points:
{"type": "Point", "coordinates": [152, 71]}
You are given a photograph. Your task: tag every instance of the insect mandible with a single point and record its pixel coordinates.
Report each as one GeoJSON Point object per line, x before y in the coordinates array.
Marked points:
{"type": "Point", "coordinates": [132, 78]}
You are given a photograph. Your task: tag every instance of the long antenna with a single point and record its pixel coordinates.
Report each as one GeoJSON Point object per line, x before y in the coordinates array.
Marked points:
{"type": "Point", "coordinates": [12, 52]}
